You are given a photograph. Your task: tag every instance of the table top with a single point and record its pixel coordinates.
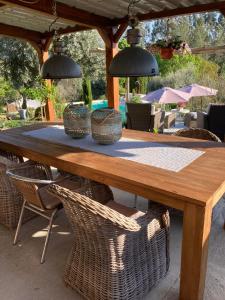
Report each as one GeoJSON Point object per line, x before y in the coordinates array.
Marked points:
{"type": "Point", "coordinates": [201, 183]}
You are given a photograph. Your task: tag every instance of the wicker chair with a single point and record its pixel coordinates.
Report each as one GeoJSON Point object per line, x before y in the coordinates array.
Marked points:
{"type": "Point", "coordinates": [10, 199]}
{"type": "Point", "coordinates": [139, 117]}
{"type": "Point", "coordinates": [198, 133]}
{"type": "Point", "coordinates": [118, 252]}
{"type": "Point", "coordinates": [31, 179]}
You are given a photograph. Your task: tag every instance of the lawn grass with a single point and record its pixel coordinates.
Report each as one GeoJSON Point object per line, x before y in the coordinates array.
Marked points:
{"type": "Point", "coordinates": [4, 124]}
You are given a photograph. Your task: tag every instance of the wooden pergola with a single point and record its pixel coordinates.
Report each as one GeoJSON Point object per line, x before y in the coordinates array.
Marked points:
{"type": "Point", "coordinates": [29, 20]}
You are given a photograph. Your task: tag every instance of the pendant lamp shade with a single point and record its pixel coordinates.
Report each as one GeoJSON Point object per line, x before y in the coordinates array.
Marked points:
{"type": "Point", "coordinates": [60, 66]}
{"type": "Point", "coordinates": [133, 62]}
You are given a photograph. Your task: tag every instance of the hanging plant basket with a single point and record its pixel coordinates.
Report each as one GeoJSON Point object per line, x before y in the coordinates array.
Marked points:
{"type": "Point", "coordinates": [167, 48]}
{"type": "Point", "coordinates": [166, 53]}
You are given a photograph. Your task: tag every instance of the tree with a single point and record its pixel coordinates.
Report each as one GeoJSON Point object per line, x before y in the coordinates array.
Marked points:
{"type": "Point", "coordinates": [18, 62]}
{"type": "Point", "coordinates": [80, 47]}
{"type": "Point", "coordinates": [7, 92]}
{"type": "Point", "coordinates": [87, 92]}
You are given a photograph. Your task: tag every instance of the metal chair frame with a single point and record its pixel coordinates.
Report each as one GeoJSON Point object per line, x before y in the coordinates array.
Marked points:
{"type": "Point", "coordinates": [41, 212]}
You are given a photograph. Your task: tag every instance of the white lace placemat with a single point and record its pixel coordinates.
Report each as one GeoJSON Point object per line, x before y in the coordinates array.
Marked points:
{"type": "Point", "coordinates": [148, 153]}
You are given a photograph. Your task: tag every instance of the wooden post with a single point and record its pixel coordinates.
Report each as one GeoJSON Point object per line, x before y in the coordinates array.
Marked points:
{"type": "Point", "coordinates": [111, 49]}
{"type": "Point", "coordinates": [49, 107]}
{"type": "Point", "coordinates": [112, 82]}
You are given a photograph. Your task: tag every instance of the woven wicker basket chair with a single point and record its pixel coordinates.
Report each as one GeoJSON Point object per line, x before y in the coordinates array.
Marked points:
{"type": "Point", "coordinates": [118, 252]}
{"type": "Point", "coordinates": [198, 133]}
{"type": "Point", "coordinates": [10, 199]}
{"type": "Point", "coordinates": [32, 179]}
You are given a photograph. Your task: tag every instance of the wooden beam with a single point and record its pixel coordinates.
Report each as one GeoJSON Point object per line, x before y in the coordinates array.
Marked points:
{"type": "Point", "coordinates": [120, 32]}
{"type": "Point", "coordinates": [111, 49]}
{"type": "Point", "coordinates": [208, 50]}
{"type": "Point", "coordinates": [18, 32]}
{"type": "Point", "coordinates": [200, 8]}
{"type": "Point", "coordinates": [63, 11]}
{"type": "Point", "coordinates": [67, 30]}
{"type": "Point", "coordinates": [107, 36]}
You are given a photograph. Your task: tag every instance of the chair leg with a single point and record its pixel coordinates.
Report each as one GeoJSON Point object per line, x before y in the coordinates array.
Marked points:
{"type": "Point", "coordinates": [224, 226]}
{"type": "Point", "coordinates": [48, 236]}
{"type": "Point", "coordinates": [19, 223]}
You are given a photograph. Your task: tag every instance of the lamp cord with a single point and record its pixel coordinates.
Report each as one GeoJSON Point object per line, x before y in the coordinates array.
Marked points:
{"type": "Point", "coordinates": [54, 12]}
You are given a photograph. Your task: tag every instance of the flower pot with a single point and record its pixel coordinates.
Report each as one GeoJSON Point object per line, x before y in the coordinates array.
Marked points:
{"type": "Point", "coordinates": [166, 53]}
{"type": "Point", "coordinates": [23, 114]}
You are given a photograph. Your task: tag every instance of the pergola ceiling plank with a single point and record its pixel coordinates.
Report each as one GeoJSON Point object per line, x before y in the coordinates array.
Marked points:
{"type": "Point", "coordinates": [64, 11]}
{"type": "Point", "coordinates": [109, 10]}
{"type": "Point", "coordinates": [212, 6]}
{"type": "Point", "coordinates": [21, 17]}
{"type": "Point", "coordinates": [145, 5]}
{"type": "Point", "coordinates": [23, 14]}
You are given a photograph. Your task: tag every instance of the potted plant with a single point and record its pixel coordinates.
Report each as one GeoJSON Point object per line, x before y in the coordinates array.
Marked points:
{"type": "Point", "coordinates": [167, 47]}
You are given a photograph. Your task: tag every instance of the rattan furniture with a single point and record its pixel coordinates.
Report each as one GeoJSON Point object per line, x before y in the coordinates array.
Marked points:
{"type": "Point", "coordinates": [190, 119]}
{"type": "Point", "coordinates": [170, 120]}
{"type": "Point", "coordinates": [32, 179]}
{"type": "Point", "coordinates": [213, 119]}
{"type": "Point", "coordinates": [10, 199]}
{"type": "Point", "coordinates": [118, 252]}
{"type": "Point", "coordinates": [198, 133]}
{"type": "Point", "coordinates": [140, 117]}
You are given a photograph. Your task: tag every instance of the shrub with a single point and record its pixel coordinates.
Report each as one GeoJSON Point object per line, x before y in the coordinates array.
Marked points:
{"type": "Point", "coordinates": [135, 99]}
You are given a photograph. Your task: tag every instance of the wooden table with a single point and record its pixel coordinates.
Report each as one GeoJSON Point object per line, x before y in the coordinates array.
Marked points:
{"type": "Point", "coordinates": [194, 190]}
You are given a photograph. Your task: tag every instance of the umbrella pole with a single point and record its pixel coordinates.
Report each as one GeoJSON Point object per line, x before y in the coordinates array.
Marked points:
{"type": "Point", "coordinates": [201, 103]}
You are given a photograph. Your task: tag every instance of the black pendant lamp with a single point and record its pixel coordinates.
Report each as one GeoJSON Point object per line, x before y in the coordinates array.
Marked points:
{"type": "Point", "coordinates": [133, 61]}
{"type": "Point", "coordinates": [59, 65]}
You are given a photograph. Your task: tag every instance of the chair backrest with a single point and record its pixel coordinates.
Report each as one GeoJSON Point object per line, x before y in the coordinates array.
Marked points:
{"type": "Point", "coordinates": [11, 107]}
{"type": "Point", "coordinates": [28, 177]}
{"type": "Point", "coordinates": [216, 119]}
{"type": "Point", "coordinates": [89, 216]}
{"type": "Point", "coordinates": [139, 116]}
{"type": "Point", "coordinates": [198, 133]}
{"type": "Point", "coordinates": [11, 156]}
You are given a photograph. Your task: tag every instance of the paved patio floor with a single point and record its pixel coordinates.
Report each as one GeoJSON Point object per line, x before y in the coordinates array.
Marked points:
{"type": "Point", "coordinates": [23, 278]}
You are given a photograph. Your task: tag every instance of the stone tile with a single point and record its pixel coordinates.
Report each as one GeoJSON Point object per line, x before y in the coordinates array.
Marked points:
{"type": "Point", "coordinates": [22, 277]}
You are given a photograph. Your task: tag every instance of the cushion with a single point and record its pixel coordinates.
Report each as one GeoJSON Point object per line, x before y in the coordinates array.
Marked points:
{"type": "Point", "coordinates": [49, 200]}
{"type": "Point", "coordinates": [124, 210]}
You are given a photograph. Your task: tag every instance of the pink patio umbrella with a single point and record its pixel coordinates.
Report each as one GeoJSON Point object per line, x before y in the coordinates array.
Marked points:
{"type": "Point", "coordinates": [196, 90]}
{"type": "Point", "coordinates": [166, 95]}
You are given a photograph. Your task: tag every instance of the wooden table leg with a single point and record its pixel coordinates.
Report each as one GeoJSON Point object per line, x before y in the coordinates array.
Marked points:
{"type": "Point", "coordinates": [196, 230]}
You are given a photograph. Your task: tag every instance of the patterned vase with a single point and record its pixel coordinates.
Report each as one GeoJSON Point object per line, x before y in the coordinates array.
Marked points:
{"type": "Point", "coordinates": [76, 120]}
{"type": "Point", "coordinates": [106, 126]}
